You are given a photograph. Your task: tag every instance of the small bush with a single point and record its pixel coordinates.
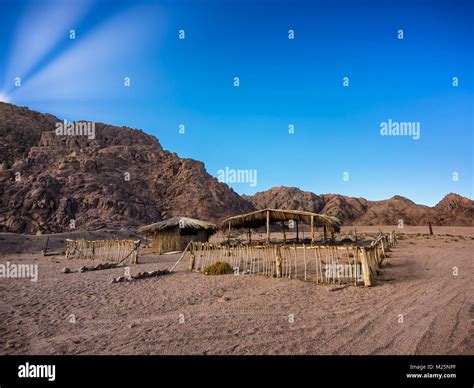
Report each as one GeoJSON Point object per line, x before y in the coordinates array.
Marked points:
{"type": "Point", "coordinates": [219, 268]}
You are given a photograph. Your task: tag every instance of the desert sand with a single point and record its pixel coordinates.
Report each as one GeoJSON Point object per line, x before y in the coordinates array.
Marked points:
{"type": "Point", "coordinates": [419, 307]}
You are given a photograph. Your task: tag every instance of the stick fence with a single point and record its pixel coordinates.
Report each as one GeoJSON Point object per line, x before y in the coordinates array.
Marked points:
{"type": "Point", "coordinates": [118, 251]}
{"type": "Point", "coordinates": [317, 263]}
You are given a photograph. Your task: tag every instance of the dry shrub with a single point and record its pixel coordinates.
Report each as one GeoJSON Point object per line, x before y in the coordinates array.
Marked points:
{"type": "Point", "coordinates": [219, 268]}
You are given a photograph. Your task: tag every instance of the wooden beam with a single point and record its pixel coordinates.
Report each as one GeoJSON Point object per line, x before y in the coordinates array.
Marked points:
{"type": "Point", "coordinates": [297, 232]}
{"type": "Point", "coordinates": [284, 233]}
{"type": "Point", "coordinates": [312, 228]}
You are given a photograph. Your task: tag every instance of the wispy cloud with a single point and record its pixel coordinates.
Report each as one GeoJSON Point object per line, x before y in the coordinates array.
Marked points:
{"type": "Point", "coordinates": [95, 64]}
{"type": "Point", "coordinates": [42, 27]}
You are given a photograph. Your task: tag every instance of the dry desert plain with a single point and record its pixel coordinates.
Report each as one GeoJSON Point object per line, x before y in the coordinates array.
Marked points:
{"type": "Point", "coordinates": [191, 313]}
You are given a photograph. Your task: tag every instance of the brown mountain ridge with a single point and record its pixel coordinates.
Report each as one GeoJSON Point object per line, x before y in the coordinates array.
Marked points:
{"type": "Point", "coordinates": [453, 209]}
{"type": "Point", "coordinates": [124, 178]}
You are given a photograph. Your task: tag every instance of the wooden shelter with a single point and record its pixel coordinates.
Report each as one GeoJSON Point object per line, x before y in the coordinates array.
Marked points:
{"type": "Point", "coordinates": [266, 217]}
{"type": "Point", "coordinates": [175, 233]}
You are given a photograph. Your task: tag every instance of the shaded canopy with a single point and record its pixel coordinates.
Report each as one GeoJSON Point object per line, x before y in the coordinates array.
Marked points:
{"type": "Point", "coordinates": [259, 218]}
{"type": "Point", "coordinates": [178, 222]}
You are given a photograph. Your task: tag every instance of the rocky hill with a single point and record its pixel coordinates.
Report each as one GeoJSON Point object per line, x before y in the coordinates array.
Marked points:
{"type": "Point", "coordinates": [122, 177]}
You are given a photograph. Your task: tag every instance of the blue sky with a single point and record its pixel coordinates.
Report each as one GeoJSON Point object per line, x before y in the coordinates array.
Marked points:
{"type": "Point", "coordinates": [282, 82]}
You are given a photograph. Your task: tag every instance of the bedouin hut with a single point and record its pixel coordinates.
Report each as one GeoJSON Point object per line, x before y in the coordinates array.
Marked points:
{"type": "Point", "coordinates": [266, 217]}
{"type": "Point", "coordinates": [175, 233]}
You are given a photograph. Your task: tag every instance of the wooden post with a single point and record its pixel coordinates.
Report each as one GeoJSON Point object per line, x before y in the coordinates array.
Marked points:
{"type": "Point", "coordinates": [250, 236]}
{"type": "Point", "coordinates": [278, 263]}
{"type": "Point", "coordinates": [296, 263]}
{"type": "Point", "coordinates": [278, 258]}
{"type": "Point", "coordinates": [228, 234]}
{"type": "Point", "coordinates": [431, 228]}
{"type": "Point", "coordinates": [284, 233]}
{"type": "Point", "coordinates": [45, 250]}
{"type": "Point", "coordinates": [297, 232]}
{"type": "Point", "coordinates": [304, 258]}
{"type": "Point", "coordinates": [366, 268]}
{"type": "Point", "coordinates": [383, 255]}
{"type": "Point", "coordinates": [268, 226]}
{"type": "Point", "coordinates": [192, 259]}
{"type": "Point", "coordinates": [324, 233]}
{"type": "Point", "coordinates": [312, 228]}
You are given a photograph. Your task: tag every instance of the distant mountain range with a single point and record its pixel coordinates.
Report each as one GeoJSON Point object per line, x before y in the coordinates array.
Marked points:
{"type": "Point", "coordinates": [124, 178]}
{"type": "Point", "coordinates": [453, 209]}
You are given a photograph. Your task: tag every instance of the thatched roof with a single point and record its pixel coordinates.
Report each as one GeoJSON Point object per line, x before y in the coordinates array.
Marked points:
{"type": "Point", "coordinates": [259, 218]}
{"type": "Point", "coordinates": [178, 222]}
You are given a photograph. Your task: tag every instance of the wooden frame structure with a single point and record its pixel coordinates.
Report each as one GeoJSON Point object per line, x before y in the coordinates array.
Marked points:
{"type": "Point", "coordinates": [266, 217]}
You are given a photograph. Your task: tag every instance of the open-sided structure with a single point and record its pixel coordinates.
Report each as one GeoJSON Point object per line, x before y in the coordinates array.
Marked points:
{"type": "Point", "coordinates": [266, 217]}
{"type": "Point", "coordinates": [175, 233]}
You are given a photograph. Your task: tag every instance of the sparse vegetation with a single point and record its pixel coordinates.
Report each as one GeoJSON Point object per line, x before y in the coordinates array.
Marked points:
{"type": "Point", "coordinates": [219, 268]}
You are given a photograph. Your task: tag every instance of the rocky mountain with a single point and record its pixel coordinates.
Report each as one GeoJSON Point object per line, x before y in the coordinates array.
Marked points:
{"type": "Point", "coordinates": [452, 210]}
{"type": "Point", "coordinates": [121, 177]}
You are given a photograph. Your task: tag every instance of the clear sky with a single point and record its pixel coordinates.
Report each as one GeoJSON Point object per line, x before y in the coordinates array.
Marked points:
{"type": "Point", "coordinates": [282, 82]}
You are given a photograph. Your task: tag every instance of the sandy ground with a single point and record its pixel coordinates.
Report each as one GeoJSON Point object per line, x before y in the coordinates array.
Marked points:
{"type": "Point", "coordinates": [190, 313]}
